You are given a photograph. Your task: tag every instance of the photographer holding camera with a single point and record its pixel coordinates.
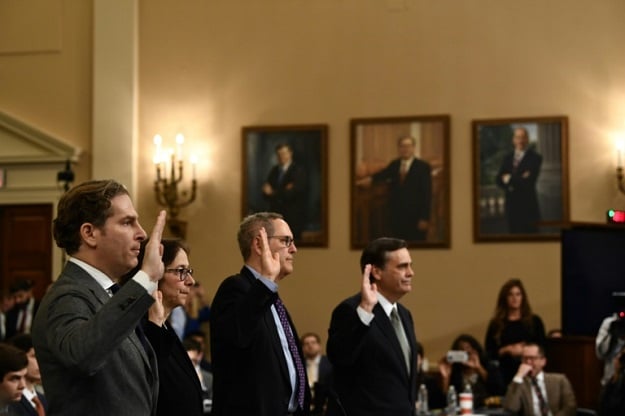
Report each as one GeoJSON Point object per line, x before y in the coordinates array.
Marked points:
{"type": "Point", "coordinates": [466, 363]}
{"type": "Point", "coordinates": [612, 400]}
{"type": "Point", "coordinates": [611, 338]}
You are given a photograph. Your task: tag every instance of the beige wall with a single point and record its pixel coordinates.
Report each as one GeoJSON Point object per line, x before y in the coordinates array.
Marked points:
{"type": "Point", "coordinates": [206, 68]}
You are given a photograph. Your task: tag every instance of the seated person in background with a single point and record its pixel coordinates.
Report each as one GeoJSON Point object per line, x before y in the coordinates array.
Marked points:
{"type": "Point", "coordinates": [32, 400]}
{"type": "Point", "coordinates": [196, 353]}
{"type": "Point", "coordinates": [512, 325]}
{"type": "Point", "coordinates": [189, 318]}
{"type": "Point", "coordinates": [534, 392]}
{"type": "Point", "coordinates": [13, 363]}
{"type": "Point", "coordinates": [436, 396]}
{"type": "Point", "coordinates": [612, 400]}
{"type": "Point", "coordinates": [318, 370]}
{"type": "Point", "coordinates": [609, 343]}
{"type": "Point", "coordinates": [200, 337]}
{"type": "Point", "coordinates": [477, 371]}
{"type": "Point", "coordinates": [19, 318]}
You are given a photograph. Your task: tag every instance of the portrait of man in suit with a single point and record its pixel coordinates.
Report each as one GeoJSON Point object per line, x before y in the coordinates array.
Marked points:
{"type": "Point", "coordinates": [286, 189]}
{"type": "Point", "coordinates": [371, 341]}
{"type": "Point", "coordinates": [284, 171]}
{"type": "Point", "coordinates": [92, 358]}
{"type": "Point", "coordinates": [520, 178]}
{"type": "Point", "coordinates": [409, 180]}
{"type": "Point", "coordinates": [400, 185]}
{"type": "Point", "coordinates": [534, 392]}
{"type": "Point", "coordinates": [517, 176]}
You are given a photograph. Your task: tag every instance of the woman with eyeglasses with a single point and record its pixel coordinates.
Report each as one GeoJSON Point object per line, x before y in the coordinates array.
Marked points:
{"type": "Point", "coordinates": [180, 391]}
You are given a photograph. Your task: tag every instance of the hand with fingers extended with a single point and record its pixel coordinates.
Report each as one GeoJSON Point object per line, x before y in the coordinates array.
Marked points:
{"type": "Point", "coordinates": [270, 262]}
{"type": "Point", "coordinates": [156, 313]}
{"type": "Point", "coordinates": [152, 261]}
{"type": "Point", "coordinates": [369, 291]}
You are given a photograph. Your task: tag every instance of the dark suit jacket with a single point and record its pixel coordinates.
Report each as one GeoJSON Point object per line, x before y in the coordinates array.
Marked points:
{"type": "Point", "coordinates": [290, 195]}
{"type": "Point", "coordinates": [409, 201]}
{"type": "Point", "coordinates": [322, 386]}
{"type": "Point", "coordinates": [12, 314]}
{"type": "Point", "coordinates": [180, 391]}
{"type": "Point", "coordinates": [370, 375]}
{"type": "Point", "coordinates": [560, 396]}
{"type": "Point", "coordinates": [522, 208]}
{"type": "Point", "coordinates": [91, 360]}
{"type": "Point", "coordinates": [23, 407]}
{"type": "Point", "coordinates": [250, 375]}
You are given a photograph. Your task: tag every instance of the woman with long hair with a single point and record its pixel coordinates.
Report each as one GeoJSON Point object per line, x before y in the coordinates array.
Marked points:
{"type": "Point", "coordinates": [512, 325]}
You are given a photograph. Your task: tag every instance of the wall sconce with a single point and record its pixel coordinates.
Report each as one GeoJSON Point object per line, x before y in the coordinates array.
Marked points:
{"type": "Point", "coordinates": [169, 175]}
{"type": "Point", "coordinates": [619, 165]}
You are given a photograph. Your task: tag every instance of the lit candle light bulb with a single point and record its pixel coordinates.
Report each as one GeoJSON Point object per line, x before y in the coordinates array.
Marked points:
{"type": "Point", "coordinates": [179, 142]}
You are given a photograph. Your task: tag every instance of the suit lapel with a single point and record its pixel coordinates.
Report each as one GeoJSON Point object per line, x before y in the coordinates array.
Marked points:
{"type": "Point", "coordinates": [552, 391]}
{"type": "Point", "coordinates": [80, 275]}
{"type": "Point", "coordinates": [384, 323]}
{"type": "Point", "coordinates": [272, 330]}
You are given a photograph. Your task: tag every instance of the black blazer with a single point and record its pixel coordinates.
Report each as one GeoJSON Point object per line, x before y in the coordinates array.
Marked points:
{"type": "Point", "coordinates": [180, 390]}
{"type": "Point", "coordinates": [322, 387]}
{"type": "Point", "coordinates": [250, 375]}
{"type": "Point", "coordinates": [24, 408]}
{"type": "Point", "coordinates": [370, 375]}
{"type": "Point", "coordinates": [409, 201]}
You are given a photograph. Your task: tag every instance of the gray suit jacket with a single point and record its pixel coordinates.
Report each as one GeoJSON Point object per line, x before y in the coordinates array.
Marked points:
{"type": "Point", "coordinates": [560, 396]}
{"type": "Point", "coordinates": [92, 361]}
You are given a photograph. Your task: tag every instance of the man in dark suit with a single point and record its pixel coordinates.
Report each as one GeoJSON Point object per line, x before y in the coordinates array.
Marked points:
{"type": "Point", "coordinates": [534, 392]}
{"type": "Point", "coordinates": [33, 402]}
{"type": "Point", "coordinates": [517, 176]}
{"type": "Point", "coordinates": [372, 343]}
{"type": "Point", "coordinates": [410, 192]}
{"type": "Point", "coordinates": [19, 318]}
{"type": "Point", "coordinates": [319, 372]}
{"type": "Point", "coordinates": [258, 367]}
{"type": "Point", "coordinates": [92, 358]}
{"type": "Point", "coordinates": [286, 188]}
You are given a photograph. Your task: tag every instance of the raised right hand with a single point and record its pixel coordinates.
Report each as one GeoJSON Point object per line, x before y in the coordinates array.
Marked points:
{"type": "Point", "coordinates": [153, 259]}
{"type": "Point", "coordinates": [368, 291]}
{"type": "Point", "coordinates": [269, 262]}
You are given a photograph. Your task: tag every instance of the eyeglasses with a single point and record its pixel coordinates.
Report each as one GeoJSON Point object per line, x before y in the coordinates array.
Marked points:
{"type": "Point", "coordinates": [182, 273]}
{"type": "Point", "coordinates": [284, 239]}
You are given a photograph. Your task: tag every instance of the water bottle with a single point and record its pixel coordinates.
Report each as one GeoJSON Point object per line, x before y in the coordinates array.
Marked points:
{"type": "Point", "coordinates": [451, 401]}
{"type": "Point", "coordinates": [466, 401]}
{"type": "Point", "coordinates": [422, 401]}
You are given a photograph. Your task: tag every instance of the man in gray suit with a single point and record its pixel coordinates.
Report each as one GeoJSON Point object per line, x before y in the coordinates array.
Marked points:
{"type": "Point", "coordinates": [93, 360]}
{"type": "Point", "coordinates": [534, 392]}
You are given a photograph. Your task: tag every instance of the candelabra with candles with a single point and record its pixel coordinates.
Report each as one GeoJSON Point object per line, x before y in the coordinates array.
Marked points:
{"type": "Point", "coordinates": [169, 176]}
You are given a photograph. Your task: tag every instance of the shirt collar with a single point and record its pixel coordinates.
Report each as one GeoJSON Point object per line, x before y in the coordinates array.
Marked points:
{"type": "Point", "coordinates": [29, 394]}
{"type": "Point", "coordinates": [102, 279]}
{"type": "Point", "coordinates": [385, 304]}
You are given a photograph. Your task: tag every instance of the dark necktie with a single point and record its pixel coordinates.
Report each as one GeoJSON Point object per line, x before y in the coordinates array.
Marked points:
{"type": "Point", "coordinates": [38, 406]}
{"type": "Point", "coordinates": [542, 403]}
{"type": "Point", "coordinates": [401, 336]}
{"type": "Point", "coordinates": [297, 360]}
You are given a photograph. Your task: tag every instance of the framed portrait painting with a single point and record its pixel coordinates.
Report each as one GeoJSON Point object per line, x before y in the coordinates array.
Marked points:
{"type": "Point", "coordinates": [285, 171]}
{"type": "Point", "coordinates": [400, 180]}
{"type": "Point", "coordinates": [520, 178]}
